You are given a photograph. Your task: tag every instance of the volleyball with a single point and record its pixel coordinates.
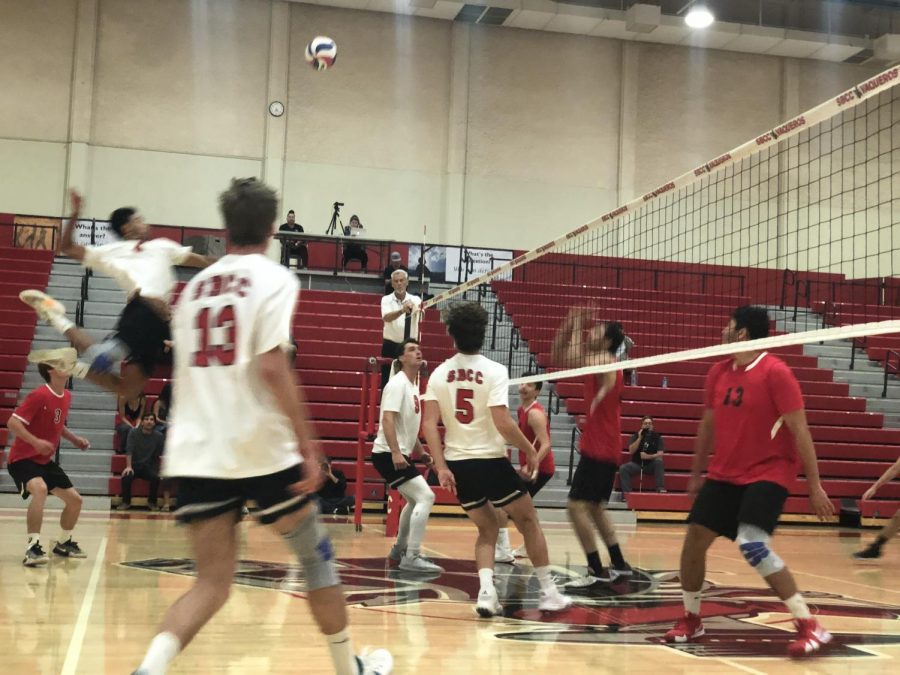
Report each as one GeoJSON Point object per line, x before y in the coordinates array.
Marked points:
{"type": "Point", "coordinates": [321, 53]}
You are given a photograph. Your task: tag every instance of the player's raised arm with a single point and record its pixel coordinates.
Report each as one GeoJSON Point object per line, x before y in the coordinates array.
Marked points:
{"type": "Point", "coordinates": [67, 244]}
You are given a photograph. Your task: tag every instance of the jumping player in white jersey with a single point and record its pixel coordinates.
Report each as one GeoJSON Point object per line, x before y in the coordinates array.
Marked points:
{"type": "Point", "coordinates": [143, 269]}
{"type": "Point", "coordinates": [239, 430]}
{"type": "Point", "coordinates": [397, 441]}
{"type": "Point", "coordinates": [470, 394]}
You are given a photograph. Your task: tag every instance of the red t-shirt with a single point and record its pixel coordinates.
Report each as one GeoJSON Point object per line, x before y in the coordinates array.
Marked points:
{"type": "Point", "coordinates": [748, 402]}
{"type": "Point", "coordinates": [601, 438]}
{"type": "Point", "coordinates": [547, 466]}
{"type": "Point", "coordinates": [44, 413]}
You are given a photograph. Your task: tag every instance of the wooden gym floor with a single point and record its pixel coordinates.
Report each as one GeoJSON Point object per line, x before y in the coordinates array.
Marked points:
{"type": "Point", "coordinates": [97, 615]}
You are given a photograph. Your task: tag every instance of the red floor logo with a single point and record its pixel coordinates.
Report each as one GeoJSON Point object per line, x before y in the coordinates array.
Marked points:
{"type": "Point", "coordinates": [633, 612]}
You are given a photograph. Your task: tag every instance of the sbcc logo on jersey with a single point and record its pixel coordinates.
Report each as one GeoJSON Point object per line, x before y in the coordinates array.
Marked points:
{"type": "Point", "coordinates": [636, 612]}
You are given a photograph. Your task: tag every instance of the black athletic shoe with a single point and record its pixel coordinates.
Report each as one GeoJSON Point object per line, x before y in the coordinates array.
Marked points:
{"type": "Point", "coordinates": [69, 549]}
{"type": "Point", "coordinates": [35, 556]}
{"type": "Point", "coordinates": [869, 552]}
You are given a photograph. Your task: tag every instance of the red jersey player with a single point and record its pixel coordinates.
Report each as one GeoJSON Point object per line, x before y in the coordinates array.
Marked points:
{"type": "Point", "coordinates": [601, 442]}
{"type": "Point", "coordinates": [38, 424]}
{"type": "Point", "coordinates": [534, 424]}
{"type": "Point", "coordinates": [755, 426]}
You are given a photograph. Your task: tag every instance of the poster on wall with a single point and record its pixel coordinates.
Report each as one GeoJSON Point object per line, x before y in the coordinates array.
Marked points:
{"type": "Point", "coordinates": [467, 263]}
{"type": "Point", "coordinates": [84, 229]}
{"type": "Point", "coordinates": [435, 262]}
{"type": "Point", "coordinates": [35, 232]}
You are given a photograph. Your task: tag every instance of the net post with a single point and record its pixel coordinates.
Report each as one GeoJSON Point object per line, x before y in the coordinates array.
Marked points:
{"type": "Point", "coordinates": [361, 436]}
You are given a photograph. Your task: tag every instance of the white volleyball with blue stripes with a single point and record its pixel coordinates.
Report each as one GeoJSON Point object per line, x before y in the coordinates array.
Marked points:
{"type": "Point", "coordinates": [321, 52]}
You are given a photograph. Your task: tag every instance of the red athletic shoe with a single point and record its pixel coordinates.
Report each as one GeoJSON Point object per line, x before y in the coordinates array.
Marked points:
{"type": "Point", "coordinates": [687, 629]}
{"type": "Point", "coordinates": [810, 638]}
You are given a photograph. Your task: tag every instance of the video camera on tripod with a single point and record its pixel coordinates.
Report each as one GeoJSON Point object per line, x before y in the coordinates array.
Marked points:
{"type": "Point", "coordinates": [335, 219]}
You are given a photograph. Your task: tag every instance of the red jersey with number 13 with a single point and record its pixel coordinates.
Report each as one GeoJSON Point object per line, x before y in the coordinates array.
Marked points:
{"type": "Point", "coordinates": [44, 412]}
{"type": "Point", "coordinates": [602, 434]}
{"type": "Point", "coordinates": [749, 402]}
{"type": "Point", "coordinates": [547, 465]}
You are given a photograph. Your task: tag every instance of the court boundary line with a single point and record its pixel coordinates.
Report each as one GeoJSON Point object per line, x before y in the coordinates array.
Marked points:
{"type": "Point", "coordinates": [73, 653]}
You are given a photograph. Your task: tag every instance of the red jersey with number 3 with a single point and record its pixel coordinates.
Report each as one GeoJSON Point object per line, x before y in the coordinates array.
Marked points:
{"type": "Point", "coordinates": [749, 403]}
{"type": "Point", "coordinates": [547, 465]}
{"type": "Point", "coordinates": [601, 437]}
{"type": "Point", "coordinates": [44, 412]}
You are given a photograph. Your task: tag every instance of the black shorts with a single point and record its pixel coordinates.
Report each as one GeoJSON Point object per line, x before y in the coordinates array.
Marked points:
{"type": "Point", "coordinates": [542, 480]}
{"type": "Point", "coordinates": [24, 470]}
{"type": "Point", "coordinates": [144, 333]}
{"type": "Point", "coordinates": [479, 481]}
{"type": "Point", "coordinates": [721, 506]}
{"type": "Point", "coordinates": [204, 498]}
{"type": "Point", "coordinates": [385, 466]}
{"type": "Point", "coordinates": [593, 480]}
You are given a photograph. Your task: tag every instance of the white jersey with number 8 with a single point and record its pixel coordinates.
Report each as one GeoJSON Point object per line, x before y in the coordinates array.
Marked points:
{"type": "Point", "coordinates": [224, 422]}
{"type": "Point", "coordinates": [465, 387]}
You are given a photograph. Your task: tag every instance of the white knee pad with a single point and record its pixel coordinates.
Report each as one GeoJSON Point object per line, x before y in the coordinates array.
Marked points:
{"type": "Point", "coordinates": [754, 545]}
{"type": "Point", "coordinates": [312, 545]}
{"type": "Point", "coordinates": [417, 491]}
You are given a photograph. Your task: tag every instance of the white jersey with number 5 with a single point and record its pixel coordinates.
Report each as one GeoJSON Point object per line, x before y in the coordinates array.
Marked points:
{"type": "Point", "coordinates": [465, 387]}
{"type": "Point", "coordinates": [225, 423]}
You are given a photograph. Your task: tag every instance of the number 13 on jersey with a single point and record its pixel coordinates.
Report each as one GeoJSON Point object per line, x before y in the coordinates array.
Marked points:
{"type": "Point", "coordinates": [224, 322]}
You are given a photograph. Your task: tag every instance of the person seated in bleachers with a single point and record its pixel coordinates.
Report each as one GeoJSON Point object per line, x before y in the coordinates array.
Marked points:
{"type": "Point", "coordinates": [646, 447]}
{"type": "Point", "coordinates": [142, 452]}
{"type": "Point", "coordinates": [332, 495]}
{"type": "Point", "coordinates": [130, 413]}
{"type": "Point", "coordinates": [293, 249]}
{"type": "Point", "coordinates": [355, 251]}
{"type": "Point", "coordinates": [395, 264]}
{"type": "Point", "coordinates": [161, 408]}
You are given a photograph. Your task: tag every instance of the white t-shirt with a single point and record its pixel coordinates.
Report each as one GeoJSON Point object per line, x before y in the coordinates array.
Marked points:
{"type": "Point", "coordinates": [144, 265]}
{"type": "Point", "coordinates": [402, 397]}
{"type": "Point", "coordinates": [465, 386]}
{"type": "Point", "coordinates": [225, 423]}
{"type": "Point", "coordinates": [393, 330]}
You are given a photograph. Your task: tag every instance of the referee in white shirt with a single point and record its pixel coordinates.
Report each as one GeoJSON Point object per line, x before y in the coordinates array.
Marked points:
{"type": "Point", "coordinates": [400, 314]}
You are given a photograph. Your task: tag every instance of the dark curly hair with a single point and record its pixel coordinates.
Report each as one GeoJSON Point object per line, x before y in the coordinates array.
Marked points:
{"type": "Point", "coordinates": [467, 323]}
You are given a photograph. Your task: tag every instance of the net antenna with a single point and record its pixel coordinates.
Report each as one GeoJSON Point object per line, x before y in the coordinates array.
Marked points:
{"type": "Point", "coordinates": [799, 220]}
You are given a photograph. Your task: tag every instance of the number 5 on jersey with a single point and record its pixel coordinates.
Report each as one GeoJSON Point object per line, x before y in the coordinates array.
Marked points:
{"type": "Point", "coordinates": [465, 411]}
{"type": "Point", "coordinates": [223, 354]}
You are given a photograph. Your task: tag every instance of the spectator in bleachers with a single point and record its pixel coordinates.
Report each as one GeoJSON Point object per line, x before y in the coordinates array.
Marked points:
{"type": "Point", "coordinates": [130, 413]}
{"type": "Point", "coordinates": [399, 311]}
{"type": "Point", "coordinates": [646, 447]}
{"type": "Point", "coordinates": [395, 264]}
{"type": "Point", "coordinates": [161, 408]}
{"type": "Point", "coordinates": [890, 530]}
{"type": "Point", "coordinates": [333, 497]}
{"type": "Point", "coordinates": [293, 249]}
{"type": "Point", "coordinates": [355, 251]}
{"type": "Point", "coordinates": [142, 452]}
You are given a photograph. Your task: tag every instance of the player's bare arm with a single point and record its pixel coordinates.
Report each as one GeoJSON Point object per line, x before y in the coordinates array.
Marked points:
{"type": "Point", "coordinates": [431, 415]}
{"type": "Point", "coordinates": [514, 436]}
{"type": "Point", "coordinates": [197, 260]}
{"type": "Point", "coordinates": [420, 452]}
{"type": "Point", "coordinates": [292, 403]}
{"type": "Point", "coordinates": [20, 429]}
{"type": "Point", "coordinates": [796, 423]}
{"type": "Point", "coordinates": [889, 475]}
{"type": "Point", "coordinates": [538, 423]}
{"type": "Point", "coordinates": [389, 426]}
{"type": "Point", "coordinates": [67, 244]}
{"type": "Point", "coordinates": [78, 441]}
{"type": "Point", "coordinates": [703, 446]}
{"type": "Point", "coordinates": [566, 347]}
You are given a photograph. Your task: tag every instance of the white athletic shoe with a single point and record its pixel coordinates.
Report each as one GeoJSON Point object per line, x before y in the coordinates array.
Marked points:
{"type": "Point", "coordinates": [62, 359]}
{"type": "Point", "coordinates": [44, 306]}
{"type": "Point", "coordinates": [397, 553]}
{"type": "Point", "coordinates": [488, 604]}
{"type": "Point", "coordinates": [502, 554]}
{"type": "Point", "coordinates": [419, 564]}
{"type": "Point", "coordinates": [521, 552]}
{"type": "Point", "coordinates": [582, 582]}
{"type": "Point", "coordinates": [553, 601]}
{"type": "Point", "coordinates": [376, 662]}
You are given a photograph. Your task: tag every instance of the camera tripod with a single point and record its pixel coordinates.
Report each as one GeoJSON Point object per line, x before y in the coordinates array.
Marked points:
{"type": "Point", "coordinates": [336, 219]}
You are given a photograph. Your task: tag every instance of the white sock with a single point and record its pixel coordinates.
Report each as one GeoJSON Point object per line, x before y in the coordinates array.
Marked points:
{"type": "Point", "coordinates": [164, 647]}
{"type": "Point", "coordinates": [80, 370]}
{"type": "Point", "coordinates": [691, 601]}
{"type": "Point", "coordinates": [34, 538]}
{"type": "Point", "coordinates": [503, 537]}
{"type": "Point", "coordinates": [486, 577]}
{"type": "Point", "coordinates": [64, 536]}
{"type": "Point", "coordinates": [61, 322]}
{"type": "Point", "coordinates": [544, 578]}
{"type": "Point", "coordinates": [798, 607]}
{"type": "Point", "coordinates": [341, 648]}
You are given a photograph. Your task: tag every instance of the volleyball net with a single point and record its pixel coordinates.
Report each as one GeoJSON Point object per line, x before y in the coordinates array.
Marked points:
{"type": "Point", "coordinates": [800, 219]}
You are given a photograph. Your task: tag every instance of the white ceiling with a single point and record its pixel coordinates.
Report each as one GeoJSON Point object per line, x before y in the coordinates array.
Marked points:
{"type": "Point", "coordinates": [566, 18]}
